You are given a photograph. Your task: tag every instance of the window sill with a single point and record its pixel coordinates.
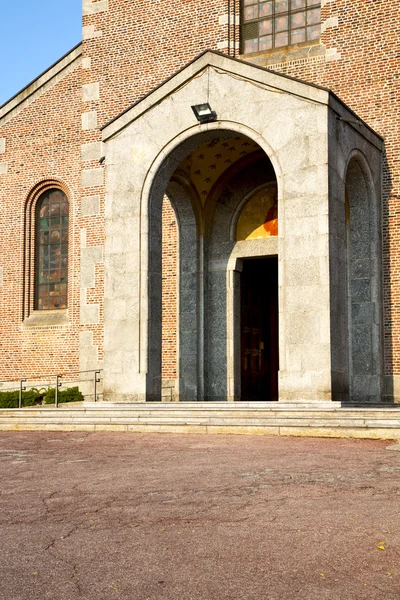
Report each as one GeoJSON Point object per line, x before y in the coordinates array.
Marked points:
{"type": "Point", "coordinates": [286, 53]}
{"type": "Point", "coordinates": [47, 319]}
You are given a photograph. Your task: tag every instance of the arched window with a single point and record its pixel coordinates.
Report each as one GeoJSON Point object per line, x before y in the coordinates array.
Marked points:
{"type": "Point", "coordinates": [51, 270]}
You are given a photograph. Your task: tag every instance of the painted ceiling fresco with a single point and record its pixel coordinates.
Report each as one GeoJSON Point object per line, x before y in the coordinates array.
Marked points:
{"type": "Point", "coordinates": [205, 165]}
{"type": "Point", "coordinates": [259, 217]}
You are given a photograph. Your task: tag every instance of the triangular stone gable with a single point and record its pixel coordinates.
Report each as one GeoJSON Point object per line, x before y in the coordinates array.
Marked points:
{"type": "Point", "coordinates": [222, 63]}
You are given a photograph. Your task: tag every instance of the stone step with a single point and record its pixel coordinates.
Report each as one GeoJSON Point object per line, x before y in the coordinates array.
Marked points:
{"type": "Point", "coordinates": [273, 422]}
{"type": "Point", "coordinates": [382, 433]}
{"type": "Point", "coordinates": [114, 413]}
{"type": "Point", "coordinates": [239, 409]}
{"type": "Point", "coordinates": [234, 406]}
{"type": "Point", "coordinates": [246, 418]}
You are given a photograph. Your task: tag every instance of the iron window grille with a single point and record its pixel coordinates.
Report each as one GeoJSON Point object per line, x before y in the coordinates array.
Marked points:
{"type": "Point", "coordinates": [269, 24]}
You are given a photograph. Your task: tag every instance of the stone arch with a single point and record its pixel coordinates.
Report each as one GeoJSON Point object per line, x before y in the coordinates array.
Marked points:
{"type": "Point", "coordinates": [221, 184]}
{"type": "Point", "coordinates": [225, 262]}
{"type": "Point", "coordinates": [183, 202]}
{"type": "Point", "coordinates": [364, 310]}
{"type": "Point", "coordinates": [168, 159]}
{"type": "Point", "coordinates": [191, 271]}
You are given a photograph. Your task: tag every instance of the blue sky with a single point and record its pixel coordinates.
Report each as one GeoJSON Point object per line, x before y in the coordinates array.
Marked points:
{"type": "Point", "coordinates": [33, 35]}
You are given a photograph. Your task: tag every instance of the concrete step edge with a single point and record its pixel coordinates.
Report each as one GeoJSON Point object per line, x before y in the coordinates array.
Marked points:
{"type": "Point", "coordinates": [17, 414]}
{"type": "Point", "coordinates": [207, 423]}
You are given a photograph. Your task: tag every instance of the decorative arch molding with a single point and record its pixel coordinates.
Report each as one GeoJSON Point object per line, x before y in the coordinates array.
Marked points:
{"type": "Point", "coordinates": [29, 243]}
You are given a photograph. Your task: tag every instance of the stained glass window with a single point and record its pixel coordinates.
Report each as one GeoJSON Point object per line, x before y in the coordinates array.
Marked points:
{"type": "Point", "coordinates": [276, 23]}
{"type": "Point", "coordinates": [52, 251]}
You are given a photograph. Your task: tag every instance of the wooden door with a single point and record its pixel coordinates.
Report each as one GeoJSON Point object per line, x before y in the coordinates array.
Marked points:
{"type": "Point", "coordinates": [259, 330]}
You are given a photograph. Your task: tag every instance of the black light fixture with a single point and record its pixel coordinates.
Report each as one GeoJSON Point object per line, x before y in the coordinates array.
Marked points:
{"type": "Point", "coordinates": [204, 113]}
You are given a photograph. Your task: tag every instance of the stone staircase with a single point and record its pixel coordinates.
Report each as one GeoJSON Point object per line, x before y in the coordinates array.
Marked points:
{"type": "Point", "coordinates": [322, 419]}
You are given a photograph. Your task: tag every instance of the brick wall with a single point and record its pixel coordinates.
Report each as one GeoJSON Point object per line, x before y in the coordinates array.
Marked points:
{"type": "Point", "coordinates": [40, 142]}
{"type": "Point", "coordinates": [129, 48]}
{"type": "Point", "coordinates": [134, 46]}
{"type": "Point", "coordinates": [169, 291]}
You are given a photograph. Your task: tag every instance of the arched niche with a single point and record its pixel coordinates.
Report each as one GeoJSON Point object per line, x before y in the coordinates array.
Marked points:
{"type": "Point", "coordinates": [258, 218]}
{"type": "Point", "coordinates": [364, 309]}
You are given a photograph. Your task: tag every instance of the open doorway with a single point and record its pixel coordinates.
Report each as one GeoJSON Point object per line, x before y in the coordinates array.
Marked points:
{"type": "Point", "coordinates": [259, 330]}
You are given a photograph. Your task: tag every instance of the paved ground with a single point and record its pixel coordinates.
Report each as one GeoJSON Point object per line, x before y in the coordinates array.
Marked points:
{"type": "Point", "coordinates": [125, 516]}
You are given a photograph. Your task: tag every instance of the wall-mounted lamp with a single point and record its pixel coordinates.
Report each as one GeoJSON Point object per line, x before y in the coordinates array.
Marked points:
{"type": "Point", "coordinates": [204, 113]}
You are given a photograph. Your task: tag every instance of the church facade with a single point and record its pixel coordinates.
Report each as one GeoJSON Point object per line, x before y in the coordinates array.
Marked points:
{"type": "Point", "coordinates": [200, 200]}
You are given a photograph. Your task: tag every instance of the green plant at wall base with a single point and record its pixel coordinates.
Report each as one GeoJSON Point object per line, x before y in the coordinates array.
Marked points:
{"type": "Point", "coordinates": [11, 399]}
{"type": "Point", "coordinates": [41, 392]}
{"type": "Point", "coordinates": [69, 395]}
{"type": "Point", "coordinates": [37, 397]}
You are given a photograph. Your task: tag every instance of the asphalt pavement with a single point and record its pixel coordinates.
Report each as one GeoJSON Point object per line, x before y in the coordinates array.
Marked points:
{"type": "Point", "coordinates": [109, 516]}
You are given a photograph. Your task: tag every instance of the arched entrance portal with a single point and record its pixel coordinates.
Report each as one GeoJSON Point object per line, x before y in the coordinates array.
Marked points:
{"type": "Point", "coordinates": [213, 276]}
{"type": "Point", "coordinates": [153, 149]}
